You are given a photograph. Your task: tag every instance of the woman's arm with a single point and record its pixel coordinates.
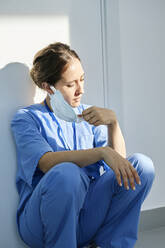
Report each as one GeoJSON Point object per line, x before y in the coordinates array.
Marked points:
{"type": "Point", "coordinates": [89, 156]}
{"type": "Point", "coordinates": [81, 158]}
{"type": "Point", "coordinates": [103, 116]}
{"type": "Point", "coordinates": [115, 139]}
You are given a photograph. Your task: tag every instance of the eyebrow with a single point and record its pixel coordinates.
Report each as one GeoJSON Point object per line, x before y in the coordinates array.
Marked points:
{"type": "Point", "coordinates": [73, 80]}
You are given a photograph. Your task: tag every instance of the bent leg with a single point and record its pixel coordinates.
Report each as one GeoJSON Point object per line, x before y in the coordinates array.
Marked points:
{"type": "Point", "coordinates": [51, 215]}
{"type": "Point", "coordinates": [120, 228]}
{"type": "Point", "coordinates": [111, 215]}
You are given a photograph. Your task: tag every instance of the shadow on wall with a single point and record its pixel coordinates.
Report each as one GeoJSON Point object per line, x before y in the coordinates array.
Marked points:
{"type": "Point", "coordinates": [16, 90]}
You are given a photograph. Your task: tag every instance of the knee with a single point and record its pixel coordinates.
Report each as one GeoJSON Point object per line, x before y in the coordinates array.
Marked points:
{"type": "Point", "coordinates": [145, 166]}
{"type": "Point", "coordinates": [65, 176]}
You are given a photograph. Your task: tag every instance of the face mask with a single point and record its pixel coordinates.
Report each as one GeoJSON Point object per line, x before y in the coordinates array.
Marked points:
{"type": "Point", "coordinates": [61, 108]}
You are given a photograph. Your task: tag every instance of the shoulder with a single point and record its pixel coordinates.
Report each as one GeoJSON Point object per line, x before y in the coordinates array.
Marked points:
{"type": "Point", "coordinates": [27, 113]}
{"type": "Point", "coordinates": [20, 113]}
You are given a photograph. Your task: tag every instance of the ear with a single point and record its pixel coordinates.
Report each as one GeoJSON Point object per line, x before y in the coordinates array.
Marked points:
{"type": "Point", "coordinates": [52, 88]}
{"type": "Point", "coordinates": [47, 87]}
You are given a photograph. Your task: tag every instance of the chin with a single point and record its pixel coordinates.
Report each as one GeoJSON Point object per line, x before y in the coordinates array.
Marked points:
{"type": "Point", "coordinates": [75, 104]}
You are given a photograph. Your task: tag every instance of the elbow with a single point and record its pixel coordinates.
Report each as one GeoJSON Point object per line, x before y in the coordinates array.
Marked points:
{"type": "Point", "coordinates": [43, 162]}
{"type": "Point", "coordinates": [42, 167]}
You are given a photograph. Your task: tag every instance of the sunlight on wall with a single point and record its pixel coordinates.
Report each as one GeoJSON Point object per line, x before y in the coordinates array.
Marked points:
{"type": "Point", "coordinates": [23, 36]}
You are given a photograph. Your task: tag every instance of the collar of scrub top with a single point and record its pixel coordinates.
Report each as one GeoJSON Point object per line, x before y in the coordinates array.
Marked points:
{"type": "Point", "coordinates": [63, 140]}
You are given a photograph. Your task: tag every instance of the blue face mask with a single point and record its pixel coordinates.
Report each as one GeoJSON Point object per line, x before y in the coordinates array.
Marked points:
{"type": "Point", "coordinates": [61, 108]}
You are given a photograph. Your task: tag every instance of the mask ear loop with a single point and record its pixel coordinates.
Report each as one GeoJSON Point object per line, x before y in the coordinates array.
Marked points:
{"type": "Point", "coordinates": [53, 89]}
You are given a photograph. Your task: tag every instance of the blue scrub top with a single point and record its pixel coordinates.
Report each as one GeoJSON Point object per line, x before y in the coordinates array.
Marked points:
{"type": "Point", "coordinates": [36, 132]}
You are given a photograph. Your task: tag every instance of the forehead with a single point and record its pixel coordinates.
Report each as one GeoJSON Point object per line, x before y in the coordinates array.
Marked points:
{"type": "Point", "coordinates": [73, 71]}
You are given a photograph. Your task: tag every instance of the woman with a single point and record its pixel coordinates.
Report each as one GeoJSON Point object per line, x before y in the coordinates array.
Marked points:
{"type": "Point", "coordinates": [66, 199]}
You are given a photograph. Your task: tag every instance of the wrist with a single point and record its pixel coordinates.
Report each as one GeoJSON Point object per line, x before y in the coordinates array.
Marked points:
{"type": "Point", "coordinates": [101, 152]}
{"type": "Point", "coordinates": [113, 124]}
{"type": "Point", "coordinates": [104, 150]}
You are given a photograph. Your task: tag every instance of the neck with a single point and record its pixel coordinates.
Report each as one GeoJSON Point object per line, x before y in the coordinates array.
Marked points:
{"type": "Point", "coordinates": [47, 101]}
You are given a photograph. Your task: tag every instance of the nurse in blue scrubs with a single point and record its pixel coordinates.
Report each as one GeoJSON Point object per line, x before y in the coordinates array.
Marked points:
{"type": "Point", "coordinates": [76, 186]}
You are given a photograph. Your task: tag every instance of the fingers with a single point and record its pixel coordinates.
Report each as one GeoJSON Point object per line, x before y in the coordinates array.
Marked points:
{"type": "Point", "coordinates": [118, 177]}
{"type": "Point", "coordinates": [125, 178]}
{"type": "Point", "coordinates": [87, 111]}
{"type": "Point", "coordinates": [134, 172]}
{"type": "Point", "coordinates": [91, 119]}
{"type": "Point", "coordinates": [88, 117]}
{"type": "Point", "coordinates": [129, 174]}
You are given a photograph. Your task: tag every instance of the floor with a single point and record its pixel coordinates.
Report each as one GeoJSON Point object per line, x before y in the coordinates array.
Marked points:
{"type": "Point", "coordinates": [154, 238]}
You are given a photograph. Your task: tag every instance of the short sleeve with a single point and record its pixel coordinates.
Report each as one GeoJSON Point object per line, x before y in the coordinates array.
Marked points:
{"type": "Point", "coordinates": [100, 135]}
{"type": "Point", "coordinates": [100, 132]}
{"type": "Point", "coordinates": [101, 140]}
{"type": "Point", "coordinates": [30, 144]}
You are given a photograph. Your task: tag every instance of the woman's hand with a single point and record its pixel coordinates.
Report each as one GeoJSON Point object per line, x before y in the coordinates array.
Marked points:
{"type": "Point", "coordinates": [121, 167]}
{"type": "Point", "coordinates": [99, 116]}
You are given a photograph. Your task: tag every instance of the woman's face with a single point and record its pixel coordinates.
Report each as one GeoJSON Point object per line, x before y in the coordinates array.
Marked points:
{"type": "Point", "coordinates": [71, 84]}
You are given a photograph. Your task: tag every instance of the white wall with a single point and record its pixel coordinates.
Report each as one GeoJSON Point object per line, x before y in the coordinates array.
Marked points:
{"type": "Point", "coordinates": [29, 26]}
{"type": "Point", "coordinates": [135, 34]}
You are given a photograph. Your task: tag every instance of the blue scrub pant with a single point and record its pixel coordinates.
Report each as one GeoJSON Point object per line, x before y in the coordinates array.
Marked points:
{"type": "Point", "coordinates": [68, 209]}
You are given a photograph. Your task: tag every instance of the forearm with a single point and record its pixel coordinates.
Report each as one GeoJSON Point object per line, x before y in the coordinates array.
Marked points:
{"type": "Point", "coordinates": [81, 158]}
{"type": "Point", "coordinates": [116, 139]}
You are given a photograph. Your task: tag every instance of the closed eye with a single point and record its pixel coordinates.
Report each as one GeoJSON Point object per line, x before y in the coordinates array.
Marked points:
{"type": "Point", "coordinates": [71, 85]}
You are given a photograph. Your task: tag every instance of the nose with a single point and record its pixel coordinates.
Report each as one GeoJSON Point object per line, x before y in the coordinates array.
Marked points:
{"type": "Point", "coordinates": [80, 88]}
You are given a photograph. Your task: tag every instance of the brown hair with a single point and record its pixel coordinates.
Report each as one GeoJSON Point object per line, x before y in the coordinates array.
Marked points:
{"type": "Point", "coordinates": [50, 62]}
